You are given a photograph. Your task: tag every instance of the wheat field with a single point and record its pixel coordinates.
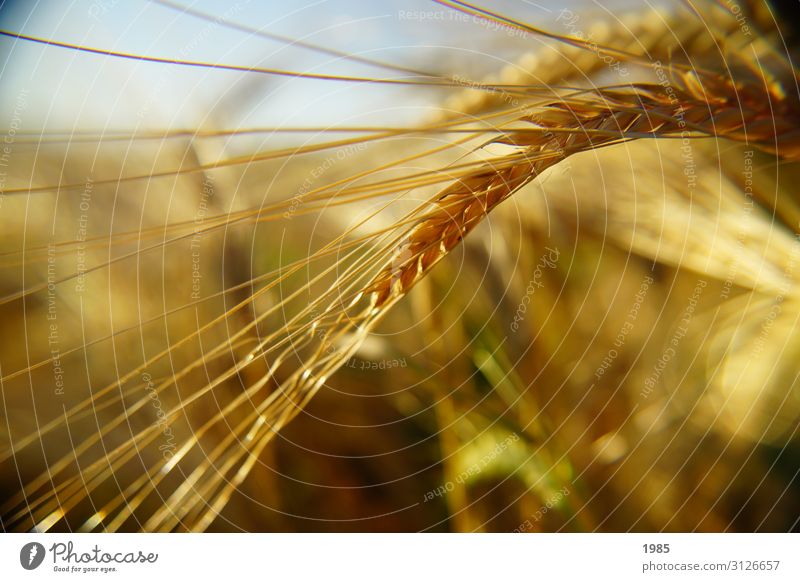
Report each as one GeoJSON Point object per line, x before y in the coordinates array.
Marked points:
{"type": "Point", "coordinates": [429, 266]}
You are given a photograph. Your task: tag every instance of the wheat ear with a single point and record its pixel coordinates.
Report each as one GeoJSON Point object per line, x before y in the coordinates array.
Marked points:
{"type": "Point", "coordinates": [658, 34]}
{"type": "Point", "coordinates": [611, 116]}
{"type": "Point", "coordinates": [556, 131]}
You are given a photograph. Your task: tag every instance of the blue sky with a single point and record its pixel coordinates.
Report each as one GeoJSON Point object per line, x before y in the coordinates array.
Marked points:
{"type": "Point", "coordinates": [76, 90]}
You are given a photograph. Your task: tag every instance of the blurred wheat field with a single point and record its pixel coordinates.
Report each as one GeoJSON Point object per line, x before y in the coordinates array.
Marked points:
{"type": "Point", "coordinates": [438, 266]}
